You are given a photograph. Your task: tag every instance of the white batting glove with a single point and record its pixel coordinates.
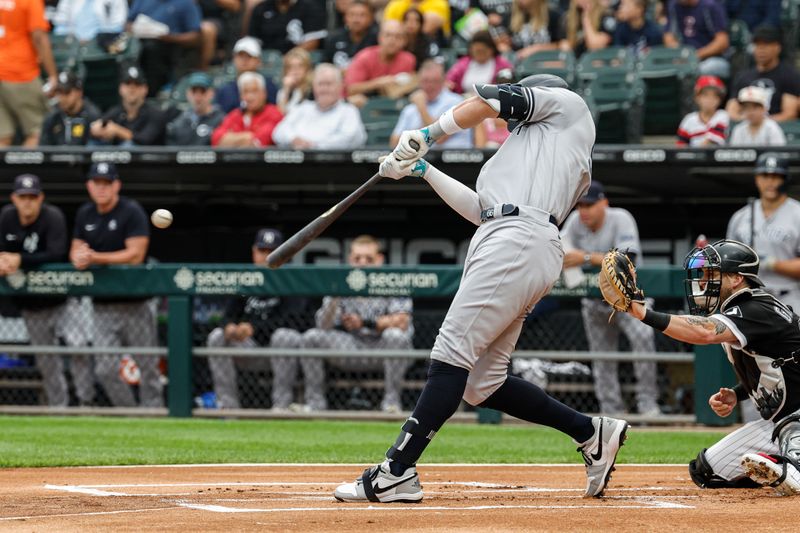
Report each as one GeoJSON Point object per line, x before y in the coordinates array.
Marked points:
{"type": "Point", "coordinates": [405, 152]}
{"type": "Point", "coordinates": [392, 168]}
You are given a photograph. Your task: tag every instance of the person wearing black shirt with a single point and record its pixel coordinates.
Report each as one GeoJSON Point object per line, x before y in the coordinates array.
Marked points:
{"type": "Point", "coordinates": [359, 32]}
{"type": "Point", "coordinates": [113, 230]}
{"type": "Point", "coordinates": [35, 233]}
{"type": "Point", "coordinates": [761, 337]}
{"type": "Point", "coordinates": [68, 124]}
{"type": "Point", "coordinates": [135, 122]}
{"type": "Point", "coordinates": [284, 24]}
{"type": "Point", "coordinates": [253, 321]}
{"type": "Point", "coordinates": [194, 126]}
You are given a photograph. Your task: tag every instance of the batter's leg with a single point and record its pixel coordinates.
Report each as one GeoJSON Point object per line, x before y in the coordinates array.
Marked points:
{"type": "Point", "coordinates": [284, 369]}
{"type": "Point", "coordinates": [642, 339]}
{"type": "Point", "coordinates": [107, 324]}
{"type": "Point", "coordinates": [223, 372]}
{"type": "Point", "coordinates": [42, 325]}
{"type": "Point", "coordinates": [603, 337]}
{"type": "Point", "coordinates": [394, 369]}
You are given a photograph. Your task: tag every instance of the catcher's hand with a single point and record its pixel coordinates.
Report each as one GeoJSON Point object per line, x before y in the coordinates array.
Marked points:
{"type": "Point", "coordinates": [617, 281]}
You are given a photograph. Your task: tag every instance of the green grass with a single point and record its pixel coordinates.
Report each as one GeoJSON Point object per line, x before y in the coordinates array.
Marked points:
{"type": "Point", "coordinates": [70, 441]}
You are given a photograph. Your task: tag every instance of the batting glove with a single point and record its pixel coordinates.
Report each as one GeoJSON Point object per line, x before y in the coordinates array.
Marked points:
{"type": "Point", "coordinates": [405, 152]}
{"type": "Point", "coordinates": [392, 168]}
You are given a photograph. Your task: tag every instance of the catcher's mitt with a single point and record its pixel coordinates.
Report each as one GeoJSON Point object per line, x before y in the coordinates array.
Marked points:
{"type": "Point", "coordinates": [617, 281]}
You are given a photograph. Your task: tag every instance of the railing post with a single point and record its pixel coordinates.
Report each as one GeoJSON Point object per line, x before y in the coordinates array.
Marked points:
{"type": "Point", "coordinates": [179, 346]}
{"type": "Point", "coordinates": [711, 371]}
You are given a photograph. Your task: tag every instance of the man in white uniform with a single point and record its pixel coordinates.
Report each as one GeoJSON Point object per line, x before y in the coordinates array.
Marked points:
{"type": "Point", "coordinates": [514, 259]}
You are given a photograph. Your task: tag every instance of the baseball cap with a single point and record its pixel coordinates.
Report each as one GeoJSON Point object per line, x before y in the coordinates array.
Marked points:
{"type": "Point", "coordinates": [755, 95]}
{"type": "Point", "coordinates": [103, 171]}
{"type": "Point", "coordinates": [268, 239]}
{"type": "Point", "coordinates": [199, 79]}
{"type": "Point", "coordinates": [248, 45]}
{"type": "Point", "coordinates": [67, 81]}
{"type": "Point", "coordinates": [766, 34]}
{"type": "Point", "coordinates": [707, 81]}
{"type": "Point", "coordinates": [27, 184]}
{"type": "Point", "coordinates": [596, 192]}
{"type": "Point", "coordinates": [133, 75]}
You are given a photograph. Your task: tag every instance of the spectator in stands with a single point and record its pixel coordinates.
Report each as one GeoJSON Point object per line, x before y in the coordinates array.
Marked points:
{"type": "Point", "coordinates": [194, 126]}
{"type": "Point", "coordinates": [166, 29]}
{"type": "Point", "coordinates": [246, 58]}
{"type": "Point", "coordinates": [325, 123]}
{"type": "Point", "coordinates": [385, 69]}
{"type": "Point", "coordinates": [480, 66]}
{"type": "Point", "coordinates": [215, 28]}
{"type": "Point", "coordinates": [534, 25]}
{"type": "Point", "coordinates": [251, 125]}
{"type": "Point", "coordinates": [435, 13]}
{"type": "Point", "coordinates": [35, 233]}
{"type": "Point", "coordinates": [86, 19]}
{"type": "Point", "coordinates": [755, 14]}
{"type": "Point", "coordinates": [757, 129]}
{"type": "Point", "coordinates": [252, 321]}
{"type": "Point", "coordinates": [114, 230]}
{"type": "Point", "coordinates": [68, 124]}
{"type": "Point", "coordinates": [418, 43]}
{"type": "Point", "coordinates": [492, 132]}
{"type": "Point", "coordinates": [360, 31]}
{"type": "Point", "coordinates": [284, 24]}
{"type": "Point", "coordinates": [703, 25]}
{"type": "Point", "coordinates": [708, 126]}
{"type": "Point", "coordinates": [777, 77]}
{"type": "Point", "coordinates": [23, 45]}
{"type": "Point", "coordinates": [134, 122]}
{"type": "Point", "coordinates": [589, 26]}
{"type": "Point", "coordinates": [430, 101]}
{"type": "Point", "coordinates": [589, 231]}
{"type": "Point", "coordinates": [634, 30]}
{"type": "Point", "coordinates": [296, 83]}
{"type": "Point", "coordinates": [356, 324]}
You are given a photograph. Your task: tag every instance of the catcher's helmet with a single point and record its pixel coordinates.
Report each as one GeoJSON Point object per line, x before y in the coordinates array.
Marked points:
{"type": "Point", "coordinates": [774, 164]}
{"type": "Point", "coordinates": [704, 267]}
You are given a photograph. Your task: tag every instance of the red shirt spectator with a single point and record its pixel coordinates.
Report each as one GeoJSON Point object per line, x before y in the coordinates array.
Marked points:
{"type": "Point", "coordinates": [253, 125]}
{"type": "Point", "coordinates": [374, 68]}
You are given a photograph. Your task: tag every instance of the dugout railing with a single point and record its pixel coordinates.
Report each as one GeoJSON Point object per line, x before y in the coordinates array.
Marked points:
{"type": "Point", "coordinates": [188, 300]}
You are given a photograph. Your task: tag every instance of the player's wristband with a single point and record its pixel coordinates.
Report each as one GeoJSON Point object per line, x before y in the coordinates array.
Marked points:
{"type": "Point", "coordinates": [656, 320]}
{"type": "Point", "coordinates": [369, 324]}
{"type": "Point", "coordinates": [741, 393]}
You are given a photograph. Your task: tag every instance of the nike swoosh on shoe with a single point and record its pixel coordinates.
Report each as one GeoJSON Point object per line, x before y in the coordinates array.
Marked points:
{"type": "Point", "coordinates": [599, 455]}
{"type": "Point", "coordinates": [378, 489]}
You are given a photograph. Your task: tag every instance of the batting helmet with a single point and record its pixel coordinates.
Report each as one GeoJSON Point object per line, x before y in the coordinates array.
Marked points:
{"type": "Point", "coordinates": [774, 164]}
{"type": "Point", "coordinates": [704, 267]}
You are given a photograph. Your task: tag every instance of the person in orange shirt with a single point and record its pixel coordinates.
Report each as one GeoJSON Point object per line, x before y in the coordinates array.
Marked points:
{"type": "Point", "coordinates": [23, 44]}
{"type": "Point", "coordinates": [251, 125]}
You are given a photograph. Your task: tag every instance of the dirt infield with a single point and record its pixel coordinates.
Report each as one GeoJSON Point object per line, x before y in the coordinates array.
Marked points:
{"type": "Point", "coordinates": [298, 498]}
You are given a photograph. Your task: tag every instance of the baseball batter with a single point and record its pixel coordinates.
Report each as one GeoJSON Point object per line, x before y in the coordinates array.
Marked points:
{"type": "Point", "coordinates": [514, 258]}
{"type": "Point", "coordinates": [771, 225]}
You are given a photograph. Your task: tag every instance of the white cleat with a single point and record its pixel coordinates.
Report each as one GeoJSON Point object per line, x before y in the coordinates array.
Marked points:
{"type": "Point", "coordinates": [379, 485]}
{"type": "Point", "coordinates": [600, 453]}
{"type": "Point", "coordinates": [772, 471]}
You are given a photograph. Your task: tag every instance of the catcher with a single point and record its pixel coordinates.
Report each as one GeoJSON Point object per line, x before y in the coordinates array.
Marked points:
{"type": "Point", "coordinates": [761, 337]}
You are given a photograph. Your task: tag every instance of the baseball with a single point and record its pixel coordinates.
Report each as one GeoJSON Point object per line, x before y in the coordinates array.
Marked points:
{"type": "Point", "coordinates": [161, 218]}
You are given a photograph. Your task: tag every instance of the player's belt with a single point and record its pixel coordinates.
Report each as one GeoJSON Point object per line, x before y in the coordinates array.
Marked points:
{"type": "Point", "coordinates": [511, 210]}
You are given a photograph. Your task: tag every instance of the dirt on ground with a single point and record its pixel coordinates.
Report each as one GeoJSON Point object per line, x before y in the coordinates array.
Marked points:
{"type": "Point", "coordinates": [299, 498]}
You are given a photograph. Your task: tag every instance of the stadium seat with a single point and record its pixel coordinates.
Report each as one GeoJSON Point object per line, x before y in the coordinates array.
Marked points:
{"type": "Point", "coordinates": [790, 19]}
{"type": "Point", "coordinates": [272, 64]}
{"type": "Point", "coordinates": [65, 51]}
{"type": "Point", "coordinates": [614, 59]}
{"type": "Point", "coordinates": [792, 131]}
{"type": "Point", "coordinates": [380, 116]}
{"type": "Point", "coordinates": [617, 101]}
{"type": "Point", "coordinates": [740, 38]}
{"type": "Point", "coordinates": [669, 75]}
{"type": "Point", "coordinates": [558, 62]}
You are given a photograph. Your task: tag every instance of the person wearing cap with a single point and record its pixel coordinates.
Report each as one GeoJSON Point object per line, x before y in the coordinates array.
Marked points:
{"type": "Point", "coordinates": [111, 229]}
{"type": "Point", "coordinates": [779, 78]}
{"type": "Point", "coordinates": [590, 231]}
{"type": "Point", "coordinates": [250, 126]}
{"type": "Point", "coordinates": [252, 321]}
{"type": "Point", "coordinates": [325, 123]}
{"type": "Point", "coordinates": [756, 128]}
{"type": "Point", "coordinates": [194, 126]}
{"type": "Point", "coordinates": [246, 58]}
{"type": "Point", "coordinates": [69, 123]}
{"type": "Point", "coordinates": [162, 54]}
{"type": "Point", "coordinates": [135, 122]}
{"type": "Point", "coordinates": [708, 126]}
{"type": "Point", "coordinates": [283, 24]}
{"type": "Point", "coordinates": [359, 32]}
{"type": "Point", "coordinates": [481, 65]}
{"type": "Point", "coordinates": [702, 25]}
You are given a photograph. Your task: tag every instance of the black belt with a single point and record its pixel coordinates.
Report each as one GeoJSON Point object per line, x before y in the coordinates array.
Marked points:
{"type": "Point", "coordinates": [507, 210]}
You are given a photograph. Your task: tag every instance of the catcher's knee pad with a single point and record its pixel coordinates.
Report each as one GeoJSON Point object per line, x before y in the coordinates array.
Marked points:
{"type": "Point", "coordinates": [511, 100]}
{"type": "Point", "coordinates": [787, 434]}
{"type": "Point", "coordinates": [704, 477]}
{"type": "Point", "coordinates": [410, 428]}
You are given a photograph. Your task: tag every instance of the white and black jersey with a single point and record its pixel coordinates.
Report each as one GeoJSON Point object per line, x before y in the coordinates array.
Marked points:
{"type": "Point", "coordinates": [768, 335]}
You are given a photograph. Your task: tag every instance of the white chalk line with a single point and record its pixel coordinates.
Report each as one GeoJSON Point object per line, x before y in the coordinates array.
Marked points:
{"type": "Point", "coordinates": [362, 465]}
{"type": "Point", "coordinates": [91, 513]}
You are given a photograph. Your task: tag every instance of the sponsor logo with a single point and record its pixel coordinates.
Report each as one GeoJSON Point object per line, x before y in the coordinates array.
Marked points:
{"type": "Point", "coordinates": [24, 158]}
{"type": "Point", "coordinates": [390, 283]}
{"type": "Point", "coordinates": [111, 157]}
{"type": "Point", "coordinates": [90, 227]}
{"type": "Point", "coordinates": [16, 280]}
{"type": "Point", "coordinates": [356, 280]}
{"type": "Point", "coordinates": [367, 156]}
{"type": "Point", "coordinates": [184, 279]}
{"type": "Point", "coordinates": [735, 155]}
{"type": "Point", "coordinates": [462, 156]}
{"type": "Point", "coordinates": [196, 158]}
{"type": "Point", "coordinates": [217, 281]}
{"type": "Point", "coordinates": [50, 281]}
{"type": "Point", "coordinates": [284, 156]}
{"type": "Point", "coordinates": [644, 156]}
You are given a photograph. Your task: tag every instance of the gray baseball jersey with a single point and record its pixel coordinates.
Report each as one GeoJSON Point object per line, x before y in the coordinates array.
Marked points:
{"type": "Point", "coordinates": [777, 237]}
{"type": "Point", "coordinates": [619, 230]}
{"type": "Point", "coordinates": [369, 309]}
{"type": "Point", "coordinates": [546, 163]}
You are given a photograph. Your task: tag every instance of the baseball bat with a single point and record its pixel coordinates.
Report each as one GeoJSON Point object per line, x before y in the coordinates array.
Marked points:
{"type": "Point", "coordinates": [313, 229]}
